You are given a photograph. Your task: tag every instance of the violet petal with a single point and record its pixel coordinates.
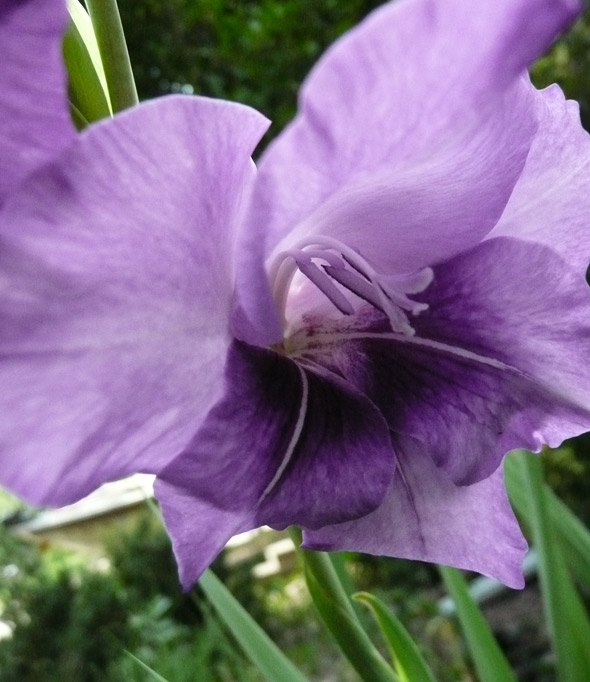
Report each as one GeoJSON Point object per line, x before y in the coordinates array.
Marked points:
{"type": "Point", "coordinates": [34, 118]}
{"type": "Point", "coordinates": [425, 516]}
{"type": "Point", "coordinates": [397, 122]}
{"type": "Point", "coordinates": [499, 359]}
{"type": "Point", "coordinates": [115, 292]}
{"type": "Point", "coordinates": [283, 446]}
{"type": "Point", "coordinates": [519, 303]}
{"type": "Point", "coordinates": [551, 201]}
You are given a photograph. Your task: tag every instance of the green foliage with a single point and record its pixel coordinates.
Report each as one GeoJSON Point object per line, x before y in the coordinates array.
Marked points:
{"type": "Point", "coordinates": [488, 658]}
{"type": "Point", "coordinates": [257, 645]}
{"type": "Point", "coordinates": [148, 544]}
{"type": "Point", "coordinates": [567, 471]}
{"type": "Point", "coordinates": [572, 535]}
{"type": "Point", "coordinates": [181, 654]}
{"type": "Point", "coordinates": [409, 662]}
{"type": "Point", "coordinates": [252, 51]}
{"type": "Point", "coordinates": [566, 617]}
{"type": "Point", "coordinates": [68, 622]}
{"type": "Point", "coordinates": [74, 623]}
{"type": "Point", "coordinates": [87, 90]}
{"type": "Point", "coordinates": [335, 608]}
{"type": "Point", "coordinates": [258, 51]}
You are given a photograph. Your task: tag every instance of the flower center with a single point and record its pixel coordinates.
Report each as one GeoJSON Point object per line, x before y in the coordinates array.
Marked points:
{"type": "Point", "coordinates": [339, 271]}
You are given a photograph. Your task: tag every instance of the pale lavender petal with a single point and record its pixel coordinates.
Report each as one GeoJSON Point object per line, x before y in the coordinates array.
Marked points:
{"type": "Point", "coordinates": [34, 117]}
{"type": "Point", "coordinates": [116, 278]}
{"type": "Point", "coordinates": [284, 446]}
{"type": "Point", "coordinates": [397, 124]}
{"type": "Point", "coordinates": [412, 132]}
{"type": "Point", "coordinates": [551, 201]}
{"type": "Point", "coordinates": [426, 517]}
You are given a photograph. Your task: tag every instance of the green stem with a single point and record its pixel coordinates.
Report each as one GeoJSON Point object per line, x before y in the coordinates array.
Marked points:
{"type": "Point", "coordinates": [338, 614]}
{"type": "Point", "coordinates": [113, 52]}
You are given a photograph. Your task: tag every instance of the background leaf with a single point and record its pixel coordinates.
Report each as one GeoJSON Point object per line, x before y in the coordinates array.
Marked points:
{"type": "Point", "coordinates": [152, 673]}
{"type": "Point", "coordinates": [258, 646]}
{"type": "Point", "coordinates": [572, 535]}
{"type": "Point", "coordinates": [489, 661]}
{"type": "Point", "coordinates": [87, 85]}
{"type": "Point", "coordinates": [409, 663]}
{"type": "Point", "coordinates": [568, 623]}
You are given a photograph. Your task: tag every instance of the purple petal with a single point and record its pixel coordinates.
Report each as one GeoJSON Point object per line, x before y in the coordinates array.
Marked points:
{"type": "Point", "coordinates": [551, 201]}
{"type": "Point", "coordinates": [412, 131]}
{"type": "Point", "coordinates": [115, 295]}
{"type": "Point", "coordinates": [499, 360]}
{"type": "Point", "coordinates": [469, 410]}
{"type": "Point", "coordinates": [517, 304]}
{"type": "Point", "coordinates": [523, 305]}
{"type": "Point", "coordinates": [284, 446]}
{"type": "Point", "coordinates": [34, 118]}
{"type": "Point", "coordinates": [426, 517]}
{"type": "Point", "coordinates": [342, 465]}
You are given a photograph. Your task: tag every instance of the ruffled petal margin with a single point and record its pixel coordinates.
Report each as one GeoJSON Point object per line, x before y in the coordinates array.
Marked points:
{"type": "Point", "coordinates": [498, 361]}
{"type": "Point", "coordinates": [520, 304]}
{"type": "Point", "coordinates": [412, 132]}
{"type": "Point", "coordinates": [421, 90]}
{"type": "Point", "coordinates": [551, 201]}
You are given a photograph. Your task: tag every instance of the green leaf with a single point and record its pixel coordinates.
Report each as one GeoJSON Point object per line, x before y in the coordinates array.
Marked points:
{"type": "Point", "coordinates": [87, 85]}
{"type": "Point", "coordinates": [572, 535]}
{"type": "Point", "coordinates": [409, 663]}
{"type": "Point", "coordinates": [566, 617]}
{"type": "Point", "coordinates": [152, 673]}
{"type": "Point", "coordinates": [257, 645]}
{"type": "Point", "coordinates": [332, 601]}
{"type": "Point", "coordinates": [490, 662]}
{"type": "Point", "coordinates": [112, 47]}
{"type": "Point", "coordinates": [343, 624]}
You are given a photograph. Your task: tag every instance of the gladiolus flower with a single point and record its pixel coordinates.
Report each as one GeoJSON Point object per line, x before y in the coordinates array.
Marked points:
{"type": "Point", "coordinates": [348, 339]}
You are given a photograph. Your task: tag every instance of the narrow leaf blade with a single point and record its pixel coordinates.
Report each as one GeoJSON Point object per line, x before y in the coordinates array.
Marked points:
{"type": "Point", "coordinates": [489, 661]}
{"type": "Point", "coordinates": [572, 535]}
{"type": "Point", "coordinates": [152, 673]}
{"type": "Point", "coordinates": [410, 664]}
{"type": "Point", "coordinates": [339, 616]}
{"type": "Point", "coordinates": [257, 645]}
{"type": "Point", "coordinates": [568, 622]}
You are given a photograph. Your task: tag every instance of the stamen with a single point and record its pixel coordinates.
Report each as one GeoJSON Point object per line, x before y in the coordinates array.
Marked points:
{"type": "Point", "coordinates": [347, 267]}
{"type": "Point", "coordinates": [413, 282]}
{"type": "Point", "coordinates": [326, 286]}
{"type": "Point", "coordinates": [355, 283]}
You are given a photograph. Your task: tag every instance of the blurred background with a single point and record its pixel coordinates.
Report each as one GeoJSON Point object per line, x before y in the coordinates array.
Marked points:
{"type": "Point", "coordinates": [82, 590]}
